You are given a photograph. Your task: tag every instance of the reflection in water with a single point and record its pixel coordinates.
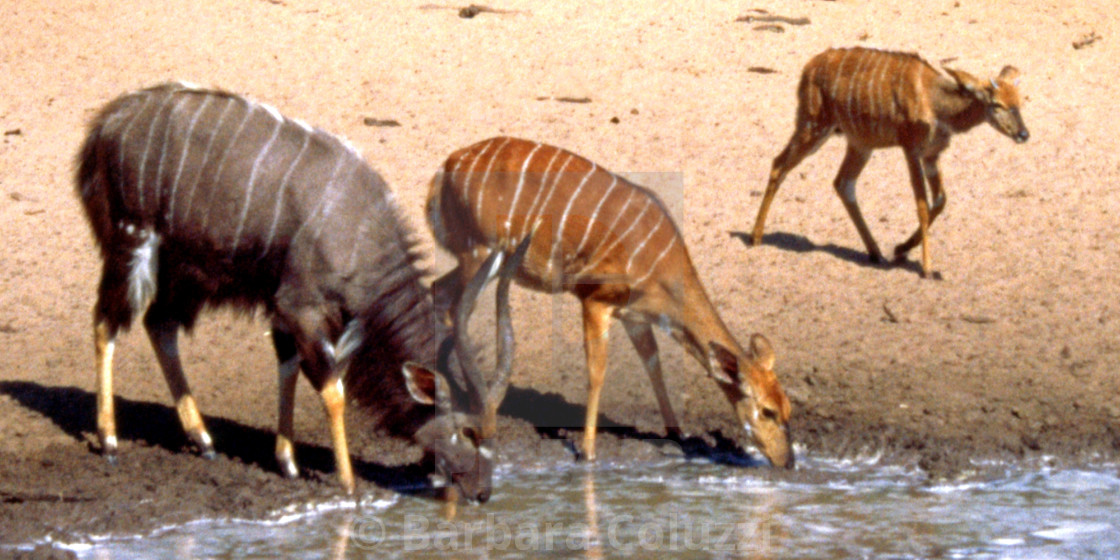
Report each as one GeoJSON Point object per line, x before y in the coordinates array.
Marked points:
{"type": "Point", "coordinates": [686, 510]}
{"type": "Point", "coordinates": [594, 542]}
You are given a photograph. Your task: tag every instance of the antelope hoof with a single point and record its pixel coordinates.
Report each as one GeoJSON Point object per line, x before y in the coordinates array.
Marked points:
{"type": "Point", "coordinates": [205, 445]}
{"type": "Point", "coordinates": [935, 275]}
{"type": "Point", "coordinates": [288, 468]}
{"type": "Point", "coordinates": [110, 457]}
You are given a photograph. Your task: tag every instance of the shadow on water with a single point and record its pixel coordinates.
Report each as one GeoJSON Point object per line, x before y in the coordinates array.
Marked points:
{"type": "Point", "coordinates": [73, 410]}
{"type": "Point", "coordinates": [801, 244]}
{"type": "Point", "coordinates": [553, 416]}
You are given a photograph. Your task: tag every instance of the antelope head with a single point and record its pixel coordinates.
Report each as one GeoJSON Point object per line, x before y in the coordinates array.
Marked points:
{"type": "Point", "coordinates": [759, 402]}
{"type": "Point", "coordinates": [1001, 99]}
{"type": "Point", "coordinates": [463, 460]}
{"type": "Point", "coordinates": [460, 442]}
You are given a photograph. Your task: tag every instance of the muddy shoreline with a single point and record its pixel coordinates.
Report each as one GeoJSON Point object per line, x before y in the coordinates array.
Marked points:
{"type": "Point", "coordinates": [1013, 356]}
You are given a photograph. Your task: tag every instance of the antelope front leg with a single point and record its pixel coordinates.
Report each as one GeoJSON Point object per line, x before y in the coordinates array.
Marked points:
{"type": "Point", "coordinates": [642, 336]}
{"type": "Point", "coordinates": [596, 330]}
{"type": "Point", "coordinates": [334, 402]}
{"type": "Point", "coordinates": [917, 181]}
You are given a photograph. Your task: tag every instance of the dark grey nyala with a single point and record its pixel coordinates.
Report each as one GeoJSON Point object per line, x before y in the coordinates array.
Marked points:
{"type": "Point", "coordinates": [204, 198]}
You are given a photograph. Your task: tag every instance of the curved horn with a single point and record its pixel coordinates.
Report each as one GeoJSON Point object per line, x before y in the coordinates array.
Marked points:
{"type": "Point", "coordinates": [496, 392]}
{"type": "Point", "coordinates": [476, 384]}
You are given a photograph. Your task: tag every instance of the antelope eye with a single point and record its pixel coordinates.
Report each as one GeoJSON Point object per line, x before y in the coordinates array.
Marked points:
{"type": "Point", "coordinates": [471, 434]}
{"type": "Point", "coordinates": [770, 414]}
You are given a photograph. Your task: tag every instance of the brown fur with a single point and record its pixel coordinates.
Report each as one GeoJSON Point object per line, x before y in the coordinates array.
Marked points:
{"type": "Point", "coordinates": [612, 244]}
{"type": "Point", "coordinates": [881, 99]}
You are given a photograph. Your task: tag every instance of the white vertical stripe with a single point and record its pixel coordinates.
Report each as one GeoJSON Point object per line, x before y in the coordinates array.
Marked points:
{"type": "Point", "coordinates": [649, 235]}
{"type": "Point", "coordinates": [537, 197]}
{"type": "Point", "coordinates": [187, 142]}
{"type": "Point", "coordinates": [323, 195]}
{"type": "Point", "coordinates": [252, 183]}
{"type": "Point", "coordinates": [164, 144]}
{"type": "Point", "coordinates": [656, 261]}
{"type": "Point", "coordinates": [517, 193]}
{"type": "Point", "coordinates": [466, 194]}
{"type": "Point", "coordinates": [225, 156]}
{"type": "Point", "coordinates": [551, 191]}
{"type": "Point", "coordinates": [853, 88]}
{"type": "Point", "coordinates": [558, 237]}
{"type": "Point", "coordinates": [140, 179]}
{"type": "Point", "coordinates": [486, 178]}
{"type": "Point", "coordinates": [836, 75]}
{"type": "Point", "coordinates": [614, 223]}
{"type": "Point", "coordinates": [595, 213]}
{"type": "Point", "coordinates": [216, 130]}
{"type": "Point", "coordinates": [282, 190]}
{"type": "Point", "coordinates": [618, 240]}
{"type": "Point", "coordinates": [128, 128]}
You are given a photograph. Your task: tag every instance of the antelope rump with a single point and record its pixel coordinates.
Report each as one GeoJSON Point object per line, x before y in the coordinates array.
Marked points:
{"type": "Point", "coordinates": [201, 198]}
{"type": "Point", "coordinates": [612, 244]}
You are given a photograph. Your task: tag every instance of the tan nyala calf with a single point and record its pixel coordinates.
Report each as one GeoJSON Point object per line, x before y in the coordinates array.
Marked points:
{"type": "Point", "coordinates": [612, 244]}
{"type": "Point", "coordinates": [880, 99]}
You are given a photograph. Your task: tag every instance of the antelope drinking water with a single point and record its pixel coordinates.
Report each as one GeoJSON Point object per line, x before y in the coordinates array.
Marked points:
{"type": "Point", "coordinates": [203, 198]}
{"type": "Point", "coordinates": [880, 99]}
{"type": "Point", "coordinates": [612, 244]}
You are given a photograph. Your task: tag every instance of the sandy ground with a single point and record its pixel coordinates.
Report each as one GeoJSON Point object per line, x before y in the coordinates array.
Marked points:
{"type": "Point", "coordinates": [1014, 354]}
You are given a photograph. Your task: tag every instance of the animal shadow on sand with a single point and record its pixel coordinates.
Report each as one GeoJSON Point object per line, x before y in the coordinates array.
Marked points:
{"type": "Point", "coordinates": [801, 244]}
{"type": "Point", "coordinates": [554, 417]}
{"type": "Point", "coordinates": [74, 410]}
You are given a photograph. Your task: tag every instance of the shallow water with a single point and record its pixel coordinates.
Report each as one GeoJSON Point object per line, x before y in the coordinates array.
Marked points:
{"type": "Point", "coordinates": [689, 509]}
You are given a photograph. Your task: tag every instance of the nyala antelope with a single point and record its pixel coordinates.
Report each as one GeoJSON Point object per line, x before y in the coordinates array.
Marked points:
{"type": "Point", "coordinates": [613, 245]}
{"type": "Point", "coordinates": [201, 198]}
{"type": "Point", "coordinates": [879, 99]}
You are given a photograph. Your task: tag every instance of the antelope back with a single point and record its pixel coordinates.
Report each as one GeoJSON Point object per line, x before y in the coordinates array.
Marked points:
{"type": "Point", "coordinates": [196, 164]}
{"type": "Point", "coordinates": [867, 93]}
{"type": "Point", "coordinates": [594, 226]}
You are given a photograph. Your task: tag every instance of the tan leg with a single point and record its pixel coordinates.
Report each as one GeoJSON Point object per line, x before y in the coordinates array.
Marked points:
{"type": "Point", "coordinates": [845, 184]}
{"type": "Point", "coordinates": [806, 140]}
{"type": "Point", "coordinates": [164, 337]}
{"type": "Point", "coordinates": [596, 330]}
{"type": "Point", "coordinates": [642, 336]}
{"type": "Point", "coordinates": [335, 404]}
{"type": "Point", "coordinates": [103, 345]}
{"type": "Point", "coordinates": [917, 181]}
{"type": "Point", "coordinates": [937, 193]}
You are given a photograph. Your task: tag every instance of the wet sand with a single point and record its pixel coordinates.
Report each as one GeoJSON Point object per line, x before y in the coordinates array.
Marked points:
{"type": "Point", "coordinates": [1013, 355]}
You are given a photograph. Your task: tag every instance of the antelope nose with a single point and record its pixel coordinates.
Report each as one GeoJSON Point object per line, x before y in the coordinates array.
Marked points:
{"type": "Point", "coordinates": [483, 496]}
{"type": "Point", "coordinates": [1023, 136]}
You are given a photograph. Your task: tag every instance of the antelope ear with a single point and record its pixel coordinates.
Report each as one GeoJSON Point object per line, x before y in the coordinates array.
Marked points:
{"type": "Point", "coordinates": [970, 83]}
{"type": "Point", "coordinates": [426, 386]}
{"type": "Point", "coordinates": [1009, 74]}
{"type": "Point", "coordinates": [723, 364]}
{"type": "Point", "coordinates": [762, 351]}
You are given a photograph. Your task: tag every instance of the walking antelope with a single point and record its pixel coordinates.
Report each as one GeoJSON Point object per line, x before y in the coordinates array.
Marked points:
{"type": "Point", "coordinates": [879, 99]}
{"type": "Point", "coordinates": [203, 198]}
{"type": "Point", "coordinates": [612, 244]}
